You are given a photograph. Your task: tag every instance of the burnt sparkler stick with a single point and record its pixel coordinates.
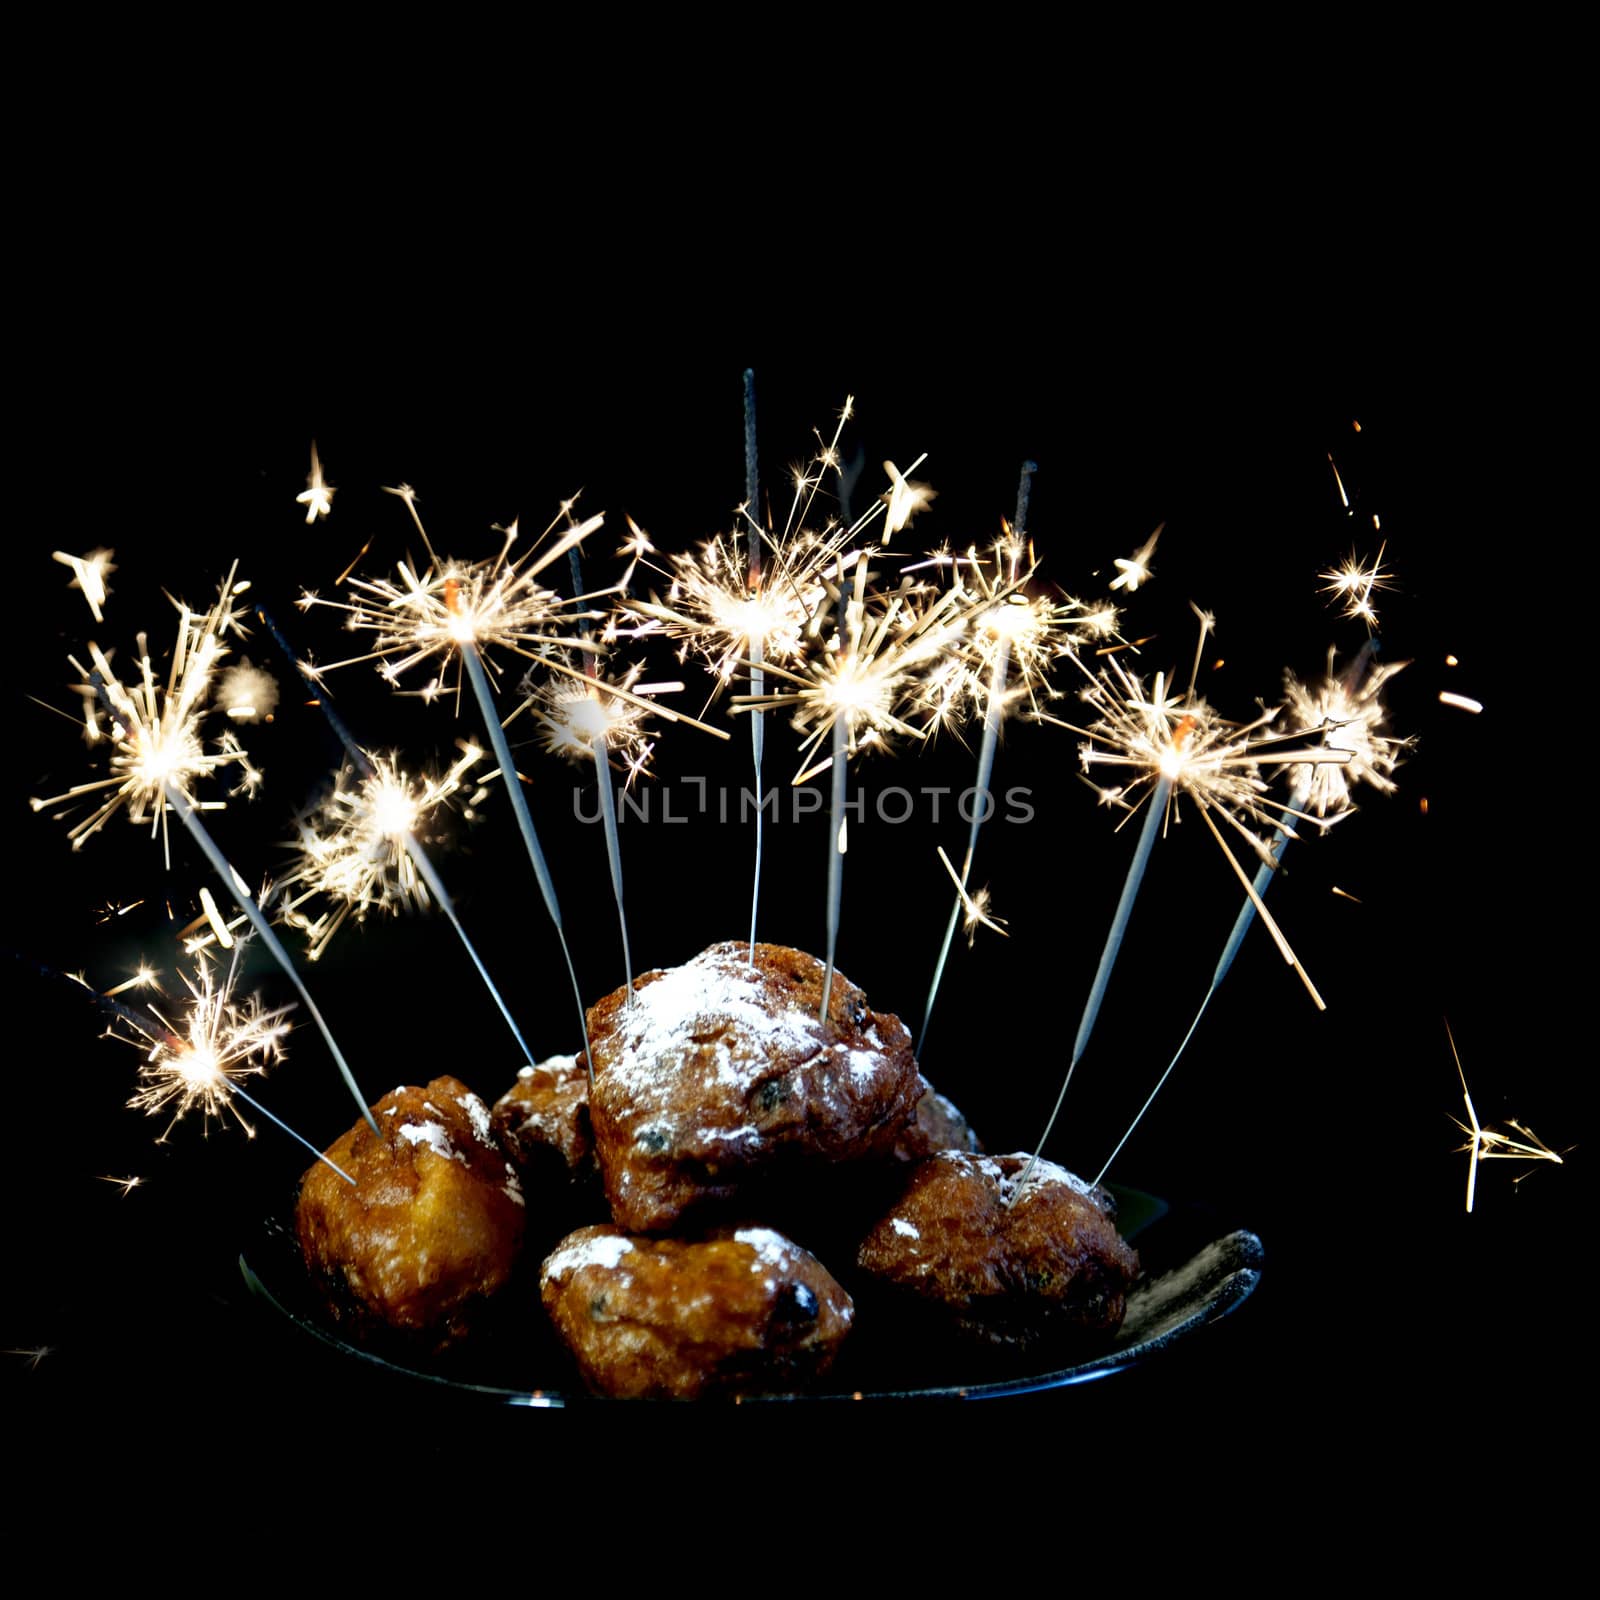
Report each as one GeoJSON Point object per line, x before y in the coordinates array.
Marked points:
{"type": "Point", "coordinates": [413, 845]}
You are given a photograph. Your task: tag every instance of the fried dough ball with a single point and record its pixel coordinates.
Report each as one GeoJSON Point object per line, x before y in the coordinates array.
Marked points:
{"type": "Point", "coordinates": [1004, 1267]}
{"type": "Point", "coordinates": [432, 1226]}
{"type": "Point", "coordinates": [742, 1312]}
{"type": "Point", "coordinates": [719, 1074]}
{"type": "Point", "coordinates": [543, 1119]}
{"type": "Point", "coordinates": [938, 1125]}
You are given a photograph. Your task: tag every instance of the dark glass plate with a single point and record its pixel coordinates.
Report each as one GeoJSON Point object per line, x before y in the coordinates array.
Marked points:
{"type": "Point", "coordinates": [1195, 1272]}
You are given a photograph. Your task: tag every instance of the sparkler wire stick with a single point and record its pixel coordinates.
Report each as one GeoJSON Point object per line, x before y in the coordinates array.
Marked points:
{"type": "Point", "coordinates": [836, 846]}
{"type": "Point", "coordinates": [231, 880]}
{"type": "Point", "coordinates": [757, 644]}
{"type": "Point", "coordinates": [414, 848]}
{"type": "Point", "coordinates": [256, 1105]}
{"type": "Point", "coordinates": [608, 805]}
{"type": "Point", "coordinates": [1241, 926]}
{"type": "Point", "coordinates": [992, 716]}
{"type": "Point", "coordinates": [1108, 956]}
{"type": "Point", "coordinates": [530, 838]}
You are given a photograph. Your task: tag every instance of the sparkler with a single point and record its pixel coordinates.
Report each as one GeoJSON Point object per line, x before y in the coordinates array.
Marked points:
{"type": "Point", "coordinates": [460, 609]}
{"type": "Point", "coordinates": [853, 695]}
{"type": "Point", "coordinates": [155, 732]}
{"type": "Point", "coordinates": [1009, 624]}
{"type": "Point", "coordinates": [1347, 711]}
{"type": "Point", "coordinates": [158, 757]}
{"type": "Point", "coordinates": [356, 848]}
{"type": "Point", "coordinates": [1487, 1144]}
{"type": "Point", "coordinates": [756, 644]}
{"type": "Point", "coordinates": [382, 823]}
{"type": "Point", "coordinates": [202, 1061]}
{"type": "Point", "coordinates": [736, 608]}
{"type": "Point", "coordinates": [1180, 746]}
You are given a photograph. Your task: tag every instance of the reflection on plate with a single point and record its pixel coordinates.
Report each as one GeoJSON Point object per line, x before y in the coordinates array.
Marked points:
{"type": "Point", "coordinates": [1195, 1272]}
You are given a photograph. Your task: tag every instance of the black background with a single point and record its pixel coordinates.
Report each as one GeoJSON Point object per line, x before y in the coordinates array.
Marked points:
{"type": "Point", "coordinates": [176, 429]}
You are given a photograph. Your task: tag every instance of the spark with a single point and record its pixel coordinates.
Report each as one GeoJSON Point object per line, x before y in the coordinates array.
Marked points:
{"type": "Point", "coordinates": [145, 978]}
{"type": "Point", "coordinates": [905, 498]}
{"type": "Point", "coordinates": [1354, 582]}
{"type": "Point", "coordinates": [1347, 712]}
{"type": "Point", "coordinates": [317, 496]}
{"type": "Point", "coordinates": [1460, 701]}
{"type": "Point", "coordinates": [247, 694]}
{"type": "Point", "coordinates": [113, 908]}
{"type": "Point", "coordinates": [1136, 569]}
{"type": "Point", "coordinates": [89, 574]}
{"type": "Point", "coordinates": [1488, 1144]}
{"type": "Point", "coordinates": [635, 548]}
{"type": "Point", "coordinates": [1344, 499]}
{"type": "Point", "coordinates": [33, 1354]}
{"type": "Point", "coordinates": [126, 1185]}
{"type": "Point", "coordinates": [219, 925]}
{"type": "Point", "coordinates": [975, 907]}
{"type": "Point", "coordinates": [202, 1059]}
{"type": "Point", "coordinates": [158, 751]}
{"type": "Point", "coordinates": [355, 848]}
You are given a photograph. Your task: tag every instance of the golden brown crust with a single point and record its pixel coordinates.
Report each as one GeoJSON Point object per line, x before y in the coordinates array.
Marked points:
{"type": "Point", "coordinates": [743, 1311]}
{"type": "Point", "coordinates": [938, 1125]}
{"type": "Point", "coordinates": [1048, 1264]}
{"type": "Point", "coordinates": [719, 1074]}
{"type": "Point", "coordinates": [432, 1226]}
{"type": "Point", "coordinates": [543, 1119]}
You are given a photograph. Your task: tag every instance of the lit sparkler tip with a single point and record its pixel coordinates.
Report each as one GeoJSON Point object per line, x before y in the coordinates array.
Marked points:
{"type": "Point", "coordinates": [201, 1060]}
{"type": "Point", "coordinates": [317, 497]}
{"type": "Point", "coordinates": [159, 754]}
{"type": "Point", "coordinates": [1346, 712]}
{"type": "Point", "coordinates": [355, 849]}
